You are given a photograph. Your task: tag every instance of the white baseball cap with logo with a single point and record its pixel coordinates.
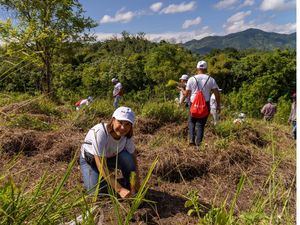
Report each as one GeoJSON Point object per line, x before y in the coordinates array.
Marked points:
{"type": "Point", "coordinates": [202, 65]}
{"type": "Point", "coordinates": [124, 113]}
{"type": "Point", "coordinates": [184, 77]}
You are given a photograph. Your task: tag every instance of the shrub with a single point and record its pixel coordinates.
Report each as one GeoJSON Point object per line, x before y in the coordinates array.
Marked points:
{"type": "Point", "coordinates": [27, 121]}
{"type": "Point", "coordinates": [227, 128]}
{"type": "Point", "coordinates": [92, 114]}
{"type": "Point", "coordinates": [42, 106]}
{"type": "Point", "coordinates": [8, 98]}
{"type": "Point", "coordinates": [283, 110]}
{"type": "Point", "coordinates": [164, 112]}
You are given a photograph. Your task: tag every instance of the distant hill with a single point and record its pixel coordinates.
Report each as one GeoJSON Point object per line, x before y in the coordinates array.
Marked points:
{"type": "Point", "coordinates": [251, 38]}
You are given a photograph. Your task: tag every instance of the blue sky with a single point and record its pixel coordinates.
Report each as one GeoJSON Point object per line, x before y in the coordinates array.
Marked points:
{"type": "Point", "coordinates": [181, 21]}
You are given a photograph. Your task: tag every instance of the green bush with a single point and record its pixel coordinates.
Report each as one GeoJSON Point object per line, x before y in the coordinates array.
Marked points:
{"type": "Point", "coordinates": [164, 112]}
{"type": "Point", "coordinates": [27, 121]}
{"type": "Point", "coordinates": [42, 106]}
{"type": "Point", "coordinates": [283, 110]}
{"type": "Point", "coordinates": [90, 115]}
{"type": "Point", "coordinates": [7, 98]}
{"type": "Point", "coordinates": [227, 128]}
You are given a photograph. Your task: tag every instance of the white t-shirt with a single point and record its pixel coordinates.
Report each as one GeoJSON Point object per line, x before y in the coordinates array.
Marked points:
{"type": "Point", "coordinates": [84, 102]}
{"type": "Point", "coordinates": [201, 79]}
{"type": "Point", "coordinates": [117, 89]}
{"type": "Point", "coordinates": [98, 143]}
{"type": "Point", "coordinates": [213, 102]}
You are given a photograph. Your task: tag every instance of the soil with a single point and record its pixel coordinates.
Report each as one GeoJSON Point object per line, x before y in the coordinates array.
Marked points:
{"type": "Point", "coordinates": [212, 170]}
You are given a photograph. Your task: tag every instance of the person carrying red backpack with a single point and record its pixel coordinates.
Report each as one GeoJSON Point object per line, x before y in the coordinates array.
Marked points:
{"type": "Point", "coordinates": [199, 88]}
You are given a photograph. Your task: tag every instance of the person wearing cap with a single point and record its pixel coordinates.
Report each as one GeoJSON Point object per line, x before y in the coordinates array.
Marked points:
{"type": "Point", "coordinates": [268, 110]}
{"type": "Point", "coordinates": [292, 117]}
{"type": "Point", "coordinates": [117, 92]}
{"type": "Point", "coordinates": [183, 100]}
{"type": "Point", "coordinates": [83, 102]}
{"type": "Point", "coordinates": [208, 85]}
{"type": "Point", "coordinates": [108, 146]}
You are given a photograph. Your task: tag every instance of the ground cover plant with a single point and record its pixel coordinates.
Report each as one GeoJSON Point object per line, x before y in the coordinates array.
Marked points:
{"type": "Point", "coordinates": [242, 174]}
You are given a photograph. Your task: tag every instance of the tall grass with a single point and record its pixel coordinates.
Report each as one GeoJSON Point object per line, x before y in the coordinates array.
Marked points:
{"type": "Point", "coordinates": [271, 204]}
{"type": "Point", "coordinates": [36, 204]}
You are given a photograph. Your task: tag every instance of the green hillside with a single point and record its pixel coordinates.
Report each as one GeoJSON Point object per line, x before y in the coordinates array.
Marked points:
{"type": "Point", "coordinates": [248, 39]}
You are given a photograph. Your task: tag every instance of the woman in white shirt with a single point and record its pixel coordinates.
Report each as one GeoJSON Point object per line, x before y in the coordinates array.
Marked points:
{"type": "Point", "coordinates": [107, 147]}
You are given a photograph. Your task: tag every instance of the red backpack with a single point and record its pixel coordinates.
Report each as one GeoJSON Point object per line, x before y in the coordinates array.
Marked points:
{"type": "Point", "coordinates": [78, 103]}
{"type": "Point", "coordinates": [198, 107]}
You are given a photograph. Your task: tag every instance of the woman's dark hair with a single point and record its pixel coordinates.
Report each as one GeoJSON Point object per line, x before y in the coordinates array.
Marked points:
{"type": "Point", "coordinates": [110, 129]}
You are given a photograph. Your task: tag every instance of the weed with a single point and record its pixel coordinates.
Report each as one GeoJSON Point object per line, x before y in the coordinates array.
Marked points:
{"type": "Point", "coordinates": [27, 121]}
{"type": "Point", "coordinates": [164, 112]}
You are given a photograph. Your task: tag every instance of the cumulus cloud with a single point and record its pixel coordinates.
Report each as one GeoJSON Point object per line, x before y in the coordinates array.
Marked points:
{"type": "Point", "coordinates": [225, 4]}
{"type": "Point", "coordinates": [173, 37]}
{"type": "Point", "coordinates": [156, 6]}
{"type": "Point", "coordinates": [120, 17]}
{"type": "Point", "coordinates": [240, 16]}
{"type": "Point", "coordinates": [182, 7]}
{"type": "Point", "coordinates": [278, 5]}
{"type": "Point", "coordinates": [247, 3]}
{"type": "Point", "coordinates": [237, 23]}
{"type": "Point", "coordinates": [277, 28]}
{"type": "Point", "coordinates": [189, 23]}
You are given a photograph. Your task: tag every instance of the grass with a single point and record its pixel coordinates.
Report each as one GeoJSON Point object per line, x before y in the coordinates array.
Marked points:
{"type": "Point", "coordinates": [270, 205]}
{"type": "Point", "coordinates": [48, 201]}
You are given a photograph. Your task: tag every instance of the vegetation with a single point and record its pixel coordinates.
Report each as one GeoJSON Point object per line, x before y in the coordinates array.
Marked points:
{"type": "Point", "coordinates": [48, 63]}
{"type": "Point", "coordinates": [247, 39]}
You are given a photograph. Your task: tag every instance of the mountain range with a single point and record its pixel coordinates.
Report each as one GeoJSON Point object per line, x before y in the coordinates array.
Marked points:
{"type": "Point", "coordinates": [248, 39]}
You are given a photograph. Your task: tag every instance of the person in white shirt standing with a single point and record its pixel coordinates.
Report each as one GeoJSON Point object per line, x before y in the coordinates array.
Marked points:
{"type": "Point", "coordinates": [181, 87]}
{"type": "Point", "coordinates": [109, 146]}
{"type": "Point", "coordinates": [207, 84]}
{"type": "Point", "coordinates": [117, 92]}
{"type": "Point", "coordinates": [213, 108]}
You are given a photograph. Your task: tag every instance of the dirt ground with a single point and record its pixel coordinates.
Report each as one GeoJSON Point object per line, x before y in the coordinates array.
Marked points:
{"type": "Point", "coordinates": [214, 170]}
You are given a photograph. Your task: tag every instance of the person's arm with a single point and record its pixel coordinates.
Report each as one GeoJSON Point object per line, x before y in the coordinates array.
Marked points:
{"type": "Point", "coordinates": [110, 178]}
{"type": "Point", "coordinates": [218, 99]}
{"type": "Point", "coordinates": [263, 110]}
{"type": "Point", "coordinates": [182, 96]}
{"type": "Point", "coordinates": [121, 92]}
{"type": "Point", "coordinates": [187, 93]}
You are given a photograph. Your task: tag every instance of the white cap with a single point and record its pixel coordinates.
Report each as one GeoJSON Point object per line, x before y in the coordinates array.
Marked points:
{"type": "Point", "coordinates": [184, 77]}
{"type": "Point", "coordinates": [114, 80]}
{"type": "Point", "coordinates": [242, 115]}
{"type": "Point", "coordinates": [202, 65]}
{"type": "Point", "coordinates": [124, 113]}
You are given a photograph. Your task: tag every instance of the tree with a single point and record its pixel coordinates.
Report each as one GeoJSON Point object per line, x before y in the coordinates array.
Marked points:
{"type": "Point", "coordinates": [42, 28]}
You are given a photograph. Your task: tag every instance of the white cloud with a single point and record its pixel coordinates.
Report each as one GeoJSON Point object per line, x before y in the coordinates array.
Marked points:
{"type": "Point", "coordinates": [247, 3]}
{"type": "Point", "coordinates": [189, 23]}
{"type": "Point", "coordinates": [277, 28]}
{"type": "Point", "coordinates": [237, 23]}
{"type": "Point", "coordinates": [120, 17]}
{"type": "Point", "coordinates": [277, 5]}
{"type": "Point", "coordinates": [225, 4]}
{"type": "Point", "coordinates": [238, 16]}
{"type": "Point", "coordinates": [156, 6]}
{"type": "Point", "coordinates": [182, 7]}
{"type": "Point", "coordinates": [173, 37]}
